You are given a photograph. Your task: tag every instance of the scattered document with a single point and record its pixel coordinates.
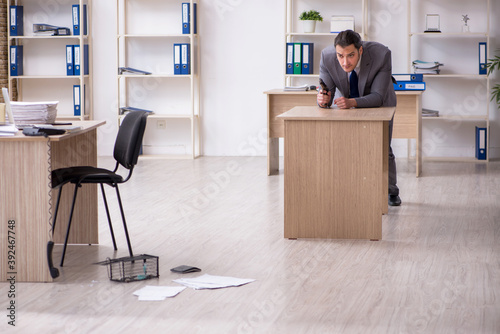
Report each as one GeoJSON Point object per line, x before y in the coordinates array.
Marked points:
{"type": "Point", "coordinates": [212, 282]}
{"type": "Point", "coordinates": [7, 130]}
{"type": "Point", "coordinates": [157, 293]}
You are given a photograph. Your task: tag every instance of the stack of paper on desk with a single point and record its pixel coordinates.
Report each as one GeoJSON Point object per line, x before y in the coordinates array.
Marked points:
{"type": "Point", "coordinates": [212, 282]}
{"type": "Point", "coordinates": [7, 130]}
{"type": "Point", "coordinates": [34, 112]}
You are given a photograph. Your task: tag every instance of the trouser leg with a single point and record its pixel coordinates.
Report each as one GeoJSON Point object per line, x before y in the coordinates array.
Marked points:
{"type": "Point", "coordinates": [393, 188]}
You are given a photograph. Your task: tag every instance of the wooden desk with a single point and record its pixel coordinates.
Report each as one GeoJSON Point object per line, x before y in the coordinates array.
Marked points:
{"type": "Point", "coordinates": [27, 199]}
{"type": "Point", "coordinates": [336, 172]}
{"type": "Point", "coordinates": [407, 120]}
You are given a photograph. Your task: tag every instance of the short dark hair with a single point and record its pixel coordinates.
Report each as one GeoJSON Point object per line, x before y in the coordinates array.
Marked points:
{"type": "Point", "coordinates": [348, 37]}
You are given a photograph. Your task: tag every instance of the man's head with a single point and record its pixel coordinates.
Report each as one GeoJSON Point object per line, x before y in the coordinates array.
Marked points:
{"type": "Point", "coordinates": [349, 48]}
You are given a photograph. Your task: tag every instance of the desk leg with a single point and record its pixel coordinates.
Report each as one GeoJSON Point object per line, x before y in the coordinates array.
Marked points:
{"type": "Point", "coordinates": [273, 159]}
{"type": "Point", "coordinates": [419, 135]}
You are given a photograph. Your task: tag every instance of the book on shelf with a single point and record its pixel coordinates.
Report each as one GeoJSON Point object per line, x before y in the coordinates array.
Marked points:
{"type": "Point", "coordinates": [299, 58]}
{"type": "Point", "coordinates": [130, 70]}
{"type": "Point", "coordinates": [125, 110]}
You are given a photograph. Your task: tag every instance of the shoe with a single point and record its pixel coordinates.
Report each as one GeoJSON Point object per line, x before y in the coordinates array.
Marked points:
{"type": "Point", "coordinates": [394, 200]}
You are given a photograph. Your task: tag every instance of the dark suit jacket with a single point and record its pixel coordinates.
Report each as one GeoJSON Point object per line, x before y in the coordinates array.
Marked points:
{"type": "Point", "coordinates": [375, 82]}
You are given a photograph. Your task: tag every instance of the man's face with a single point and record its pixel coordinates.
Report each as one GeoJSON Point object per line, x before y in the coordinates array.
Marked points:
{"type": "Point", "coordinates": [348, 57]}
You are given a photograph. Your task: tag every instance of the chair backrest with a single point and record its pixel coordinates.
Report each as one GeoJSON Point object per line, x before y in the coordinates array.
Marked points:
{"type": "Point", "coordinates": [129, 139]}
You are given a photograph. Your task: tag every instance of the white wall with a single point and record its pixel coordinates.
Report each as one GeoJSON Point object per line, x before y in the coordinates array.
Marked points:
{"type": "Point", "coordinates": [242, 55]}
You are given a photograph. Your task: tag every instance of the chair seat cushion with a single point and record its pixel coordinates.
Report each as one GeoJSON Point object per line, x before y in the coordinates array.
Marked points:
{"type": "Point", "coordinates": [84, 174]}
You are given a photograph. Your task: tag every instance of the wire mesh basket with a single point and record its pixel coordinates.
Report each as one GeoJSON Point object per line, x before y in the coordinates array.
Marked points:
{"type": "Point", "coordinates": [132, 268]}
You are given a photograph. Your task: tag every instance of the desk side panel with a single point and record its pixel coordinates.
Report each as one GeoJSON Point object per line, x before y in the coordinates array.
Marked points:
{"type": "Point", "coordinates": [77, 151]}
{"type": "Point", "coordinates": [280, 103]}
{"type": "Point", "coordinates": [24, 198]}
{"type": "Point", "coordinates": [333, 179]}
{"type": "Point", "coordinates": [406, 117]}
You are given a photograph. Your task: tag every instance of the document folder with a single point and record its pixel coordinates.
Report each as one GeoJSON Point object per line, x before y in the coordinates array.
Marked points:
{"type": "Point", "coordinates": [480, 143]}
{"type": "Point", "coordinates": [297, 58]}
{"type": "Point", "coordinates": [185, 59]}
{"type": "Point", "coordinates": [16, 21]}
{"type": "Point", "coordinates": [77, 101]}
{"type": "Point", "coordinates": [186, 18]}
{"type": "Point", "coordinates": [409, 77]}
{"type": "Point", "coordinates": [81, 60]}
{"type": "Point", "coordinates": [409, 85]}
{"type": "Point", "coordinates": [16, 60]}
{"type": "Point", "coordinates": [77, 25]}
{"type": "Point", "coordinates": [69, 60]}
{"type": "Point", "coordinates": [307, 58]}
{"type": "Point", "coordinates": [177, 58]}
{"type": "Point", "coordinates": [289, 58]}
{"type": "Point", "coordinates": [482, 58]}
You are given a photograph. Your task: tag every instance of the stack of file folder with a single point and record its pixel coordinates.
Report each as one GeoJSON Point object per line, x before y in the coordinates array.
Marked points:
{"type": "Point", "coordinates": [426, 67]}
{"type": "Point", "coordinates": [412, 81]}
{"type": "Point", "coordinates": [299, 58]}
{"type": "Point", "coordinates": [34, 112]}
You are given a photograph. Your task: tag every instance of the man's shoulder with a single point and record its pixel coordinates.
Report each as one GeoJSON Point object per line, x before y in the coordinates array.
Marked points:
{"type": "Point", "coordinates": [375, 46]}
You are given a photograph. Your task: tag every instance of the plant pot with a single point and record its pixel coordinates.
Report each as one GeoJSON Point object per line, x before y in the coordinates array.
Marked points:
{"type": "Point", "coordinates": [309, 26]}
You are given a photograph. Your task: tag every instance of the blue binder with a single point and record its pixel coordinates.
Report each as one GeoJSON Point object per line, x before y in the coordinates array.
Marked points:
{"type": "Point", "coordinates": [80, 59]}
{"type": "Point", "coordinates": [289, 58]}
{"type": "Point", "coordinates": [77, 103]}
{"type": "Point", "coordinates": [307, 58]}
{"type": "Point", "coordinates": [482, 58]}
{"type": "Point", "coordinates": [185, 59]}
{"type": "Point", "coordinates": [16, 60]}
{"type": "Point", "coordinates": [186, 18]}
{"type": "Point", "coordinates": [69, 60]}
{"type": "Point", "coordinates": [409, 85]}
{"type": "Point", "coordinates": [481, 144]}
{"type": "Point", "coordinates": [16, 21]}
{"type": "Point", "coordinates": [409, 77]}
{"type": "Point", "coordinates": [177, 58]}
{"type": "Point", "coordinates": [77, 25]}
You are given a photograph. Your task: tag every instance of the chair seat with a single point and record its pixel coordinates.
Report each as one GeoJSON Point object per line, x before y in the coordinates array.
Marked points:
{"type": "Point", "coordinates": [84, 174]}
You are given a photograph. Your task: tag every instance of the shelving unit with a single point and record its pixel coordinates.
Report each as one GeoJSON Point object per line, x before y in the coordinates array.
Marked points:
{"type": "Point", "coordinates": [322, 38]}
{"type": "Point", "coordinates": [147, 31]}
{"type": "Point", "coordinates": [44, 77]}
{"type": "Point", "coordinates": [460, 47]}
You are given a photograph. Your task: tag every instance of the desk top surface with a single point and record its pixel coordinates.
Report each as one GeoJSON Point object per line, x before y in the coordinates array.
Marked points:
{"type": "Point", "coordinates": [315, 113]}
{"type": "Point", "coordinates": [86, 126]}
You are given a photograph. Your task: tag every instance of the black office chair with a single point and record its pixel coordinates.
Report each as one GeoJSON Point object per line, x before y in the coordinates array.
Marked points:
{"type": "Point", "coordinates": [126, 153]}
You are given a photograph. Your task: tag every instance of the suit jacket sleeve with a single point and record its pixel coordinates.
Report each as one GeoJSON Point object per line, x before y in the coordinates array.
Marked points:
{"type": "Point", "coordinates": [325, 69]}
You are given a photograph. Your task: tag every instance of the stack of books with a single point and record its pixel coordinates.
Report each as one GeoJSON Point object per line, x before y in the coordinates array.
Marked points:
{"type": "Point", "coordinates": [426, 67]}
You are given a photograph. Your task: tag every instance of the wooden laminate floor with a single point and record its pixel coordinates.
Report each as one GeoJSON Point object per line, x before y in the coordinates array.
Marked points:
{"type": "Point", "coordinates": [437, 269]}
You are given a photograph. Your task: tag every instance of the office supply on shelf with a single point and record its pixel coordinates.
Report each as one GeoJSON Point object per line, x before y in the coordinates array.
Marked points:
{"type": "Point", "coordinates": [340, 23]}
{"type": "Point", "coordinates": [125, 110]}
{"type": "Point", "coordinates": [307, 58]}
{"type": "Point", "coordinates": [409, 85]}
{"type": "Point", "coordinates": [430, 113]}
{"type": "Point", "coordinates": [77, 25]}
{"type": "Point", "coordinates": [212, 282]}
{"type": "Point", "coordinates": [408, 77]}
{"type": "Point", "coordinates": [432, 23]}
{"type": "Point", "coordinates": [482, 58]}
{"type": "Point", "coordinates": [480, 143]}
{"type": "Point", "coordinates": [297, 58]}
{"type": "Point", "coordinates": [47, 28]}
{"type": "Point", "coordinates": [16, 60]}
{"type": "Point", "coordinates": [186, 18]}
{"type": "Point", "coordinates": [70, 60]}
{"type": "Point", "coordinates": [426, 67]}
{"type": "Point", "coordinates": [130, 70]}
{"type": "Point", "coordinates": [289, 58]}
{"type": "Point", "coordinates": [16, 21]}
{"type": "Point", "coordinates": [185, 59]}
{"type": "Point", "coordinates": [81, 59]}
{"type": "Point", "coordinates": [177, 58]}
{"type": "Point", "coordinates": [77, 103]}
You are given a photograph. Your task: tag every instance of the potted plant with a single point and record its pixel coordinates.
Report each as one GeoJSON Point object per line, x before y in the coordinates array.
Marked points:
{"type": "Point", "coordinates": [494, 63]}
{"type": "Point", "coordinates": [309, 19]}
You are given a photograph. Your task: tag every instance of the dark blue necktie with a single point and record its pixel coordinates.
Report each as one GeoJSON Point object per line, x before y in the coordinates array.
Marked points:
{"type": "Point", "coordinates": [353, 85]}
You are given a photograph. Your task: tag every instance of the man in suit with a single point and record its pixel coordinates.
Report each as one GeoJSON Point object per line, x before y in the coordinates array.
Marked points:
{"type": "Point", "coordinates": [362, 72]}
